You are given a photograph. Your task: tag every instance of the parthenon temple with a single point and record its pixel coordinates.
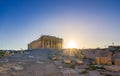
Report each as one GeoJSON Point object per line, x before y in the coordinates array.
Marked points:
{"type": "Point", "coordinates": [46, 41]}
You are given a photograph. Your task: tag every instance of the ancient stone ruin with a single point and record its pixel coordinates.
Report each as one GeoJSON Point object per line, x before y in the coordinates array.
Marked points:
{"type": "Point", "coordinates": [104, 57]}
{"type": "Point", "coordinates": [46, 41]}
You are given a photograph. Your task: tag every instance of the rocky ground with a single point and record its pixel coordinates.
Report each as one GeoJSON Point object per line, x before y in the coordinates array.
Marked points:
{"type": "Point", "coordinates": [29, 64]}
{"type": "Point", "coordinates": [87, 70]}
{"type": "Point", "coordinates": [37, 63]}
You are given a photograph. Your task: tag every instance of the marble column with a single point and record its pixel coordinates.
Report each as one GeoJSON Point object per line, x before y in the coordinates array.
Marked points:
{"type": "Point", "coordinates": [50, 43]}
{"type": "Point", "coordinates": [55, 43]}
{"type": "Point", "coordinates": [47, 43]}
{"type": "Point", "coordinates": [42, 43]}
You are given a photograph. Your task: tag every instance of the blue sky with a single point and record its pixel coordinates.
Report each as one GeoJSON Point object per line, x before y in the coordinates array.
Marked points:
{"type": "Point", "coordinates": [90, 23]}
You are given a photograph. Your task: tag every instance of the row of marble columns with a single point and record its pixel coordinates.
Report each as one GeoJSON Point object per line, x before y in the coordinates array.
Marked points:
{"type": "Point", "coordinates": [51, 43]}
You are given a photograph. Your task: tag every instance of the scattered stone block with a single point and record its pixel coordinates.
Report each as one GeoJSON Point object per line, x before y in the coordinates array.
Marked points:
{"type": "Point", "coordinates": [39, 62]}
{"type": "Point", "coordinates": [18, 67]}
{"type": "Point", "coordinates": [60, 67]}
{"type": "Point", "coordinates": [79, 61]}
{"type": "Point", "coordinates": [67, 61]}
{"type": "Point", "coordinates": [104, 60]}
{"type": "Point", "coordinates": [54, 58]}
{"type": "Point", "coordinates": [117, 61]}
{"type": "Point", "coordinates": [97, 60]}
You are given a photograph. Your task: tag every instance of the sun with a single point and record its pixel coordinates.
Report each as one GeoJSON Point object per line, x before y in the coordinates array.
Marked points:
{"type": "Point", "coordinates": [71, 44]}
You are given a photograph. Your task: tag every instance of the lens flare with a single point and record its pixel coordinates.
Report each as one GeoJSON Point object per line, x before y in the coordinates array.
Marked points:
{"type": "Point", "coordinates": [72, 44]}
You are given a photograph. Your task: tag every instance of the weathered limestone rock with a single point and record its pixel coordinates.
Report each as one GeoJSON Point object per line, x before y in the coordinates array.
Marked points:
{"type": "Point", "coordinates": [104, 60]}
{"type": "Point", "coordinates": [46, 41]}
{"type": "Point", "coordinates": [117, 61]}
{"type": "Point", "coordinates": [18, 67]}
{"type": "Point", "coordinates": [79, 61]}
{"type": "Point", "coordinates": [67, 61]}
{"type": "Point", "coordinates": [104, 57]}
{"type": "Point", "coordinates": [113, 68]}
{"type": "Point", "coordinates": [93, 53]}
{"type": "Point", "coordinates": [97, 60]}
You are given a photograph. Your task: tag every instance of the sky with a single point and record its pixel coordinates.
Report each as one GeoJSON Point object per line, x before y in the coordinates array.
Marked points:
{"type": "Point", "coordinates": [89, 23]}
